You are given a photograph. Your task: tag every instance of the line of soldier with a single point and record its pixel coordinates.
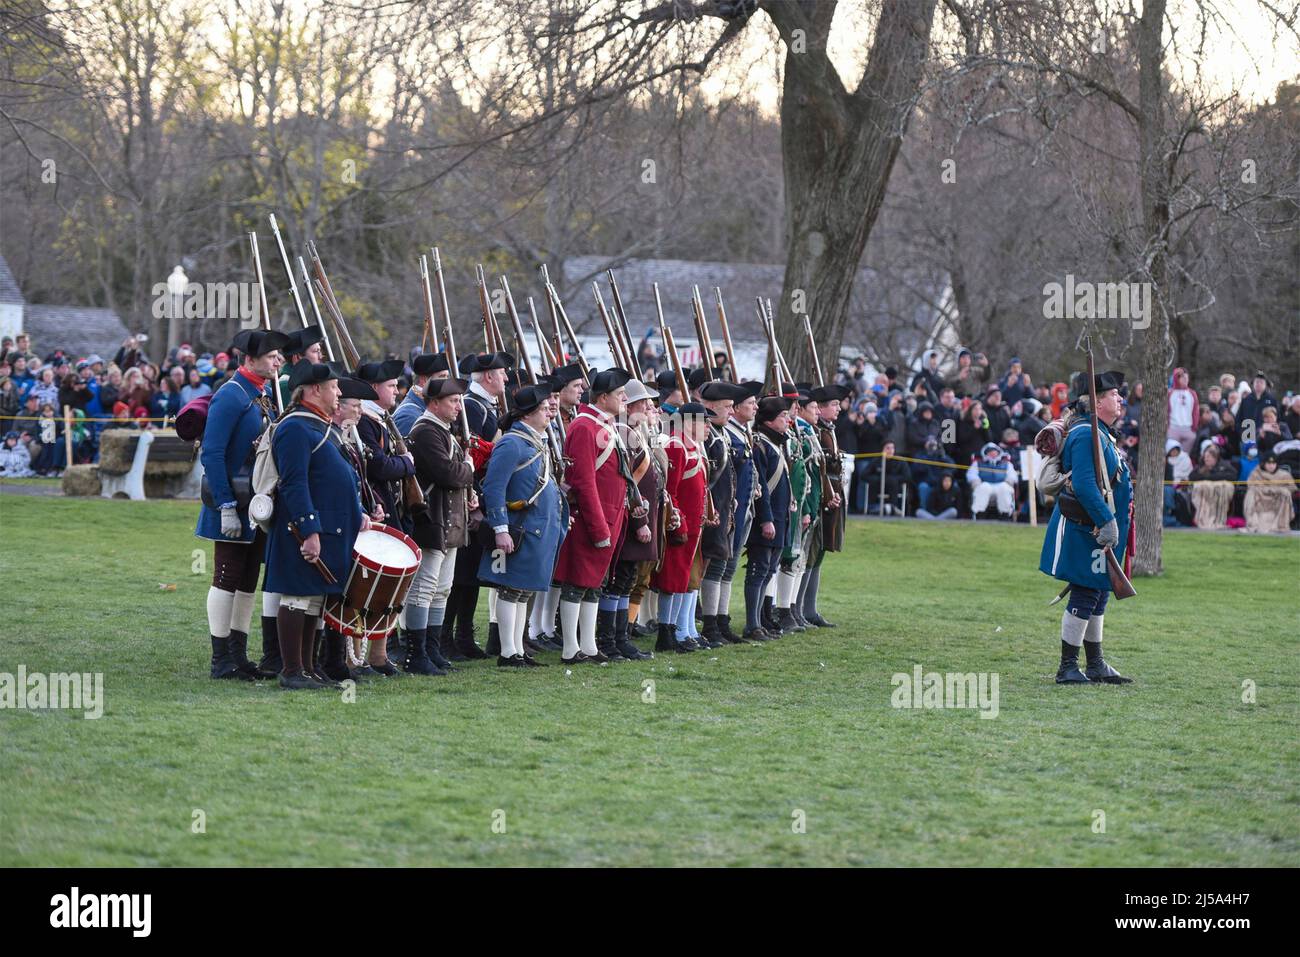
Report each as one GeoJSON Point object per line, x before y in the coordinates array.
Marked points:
{"type": "Point", "coordinates": [592, 509]}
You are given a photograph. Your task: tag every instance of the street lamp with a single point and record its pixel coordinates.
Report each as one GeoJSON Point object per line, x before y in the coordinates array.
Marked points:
{"type": "Point", "coordinates": [177, 283]}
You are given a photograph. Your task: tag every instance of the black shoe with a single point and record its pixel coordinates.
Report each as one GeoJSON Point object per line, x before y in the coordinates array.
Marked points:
{"type": "Point", "coordinates": [493, 646]}
{"type": "Point", "coordinates": [271, 662]}
{"type": "Point", "coordinates": [767, 615]}
{"type": "Point", "coordinates": [514, 661]}
{"type": "Point", "coordinates": [630, 651]}
{"type": "Point", "coordinates": [386, 670]}
{"type": "Point", "coordinates": [684, 647]}
{"type": "Point", "coordinates": [223, 663]}
{"type": "Point", "coordinates": [365, 670]}
{"type": "Point", "coordinates": [727, 635]}
{"type": "Point", "coordinates": [637, 630]}
{"type": "Point", "coordinates": [532, 662]}
{"type": "Point", "coordinates": [239, 654]}
{"type": "Point", "coordinates": [335, 665]}
{"type": "Point", "coordinates": [299, 681]}
{"type": "Point", "coordinates": [548, 643]}
{"type": "Point", "coordinates": [533, 647]}
{"type": "Point", "coordinates": [468, 647]}
{"type": "Point", "coordinates": [1098, 670]}
{"type": "Point", "coordinates": [816, 619]}
{"type": "Point", "coordinates": [1068, 673]}
{"type": "Point", "coordinates": [433, 649]}
{"type": "Point", "coordinates": [447, 644]}
{"type": "Point", "coordinates": [756, 634]}
{"type": "Point", "coordinates": [667, 640]}
{"type": "Point", "coordinates": [417, 661]}
{"type": "Point", "coordinates": [785, 622]}
{"type": "Point", "coordinates": [582, 659]}
{"type": "Point", "coordinates": [799, 619]}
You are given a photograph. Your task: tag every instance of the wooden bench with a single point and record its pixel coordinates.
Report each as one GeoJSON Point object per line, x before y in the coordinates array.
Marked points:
{"type": "Point", "coordinates": [128, 457]}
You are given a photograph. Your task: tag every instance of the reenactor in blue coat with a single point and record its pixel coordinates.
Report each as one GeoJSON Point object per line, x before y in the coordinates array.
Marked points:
{"type": "Point", "coordinates": [771, 509]}
{"type": "Point", "coordinates": [717, 542]}
{"type": "Point", "coordinates": [304, 346]}
{"type": "Point", "coordinates": [1083, 523]}
{"type": "Point", "coordinates": [237, 415]}
{"type": "Point", "coordinates": [738, 434]}
{"type": "Point", "coordinates": [528, 516]}
{"type": "Point", "coordinates": [425, 366]}
{"type": "Point", "coordinates": [317, 518]}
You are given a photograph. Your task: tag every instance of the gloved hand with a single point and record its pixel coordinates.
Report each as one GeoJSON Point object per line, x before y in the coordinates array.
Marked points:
{"type": "Point", "coordinates": [231, 526]}
{"type": "Point", "coordinates": [1108, 535]}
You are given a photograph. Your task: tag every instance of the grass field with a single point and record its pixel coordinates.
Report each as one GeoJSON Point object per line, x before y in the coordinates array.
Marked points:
{"type": "Point", "coordinates": [713, 772]}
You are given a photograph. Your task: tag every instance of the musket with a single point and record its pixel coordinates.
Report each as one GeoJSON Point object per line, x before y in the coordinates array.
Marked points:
{"type": "Point", "coordinates": [568, 328]}
{"type": "Point", "coordinates": [548, 359]}
{"type": "Point", "coordinates": [266, 310]}
{"type": "Point", "coordinates": [315, 309]}
{"type": "Point", "coordinates": [491, 331]}
{"type": "Point", "coordinates": [430, 336]}
{"type": "Point", "coordinates": [771, 321]}
{"type": "Point", "coordinates": [831, 449]}
{"type": "Point", "coordinates": [663, 327]}
{"type": "Point", "coordinates": [620, 313]}
{"type": "Point", "coordinates": [513, 313]}
{"type": "Point", "coordinates": [450, 340]}
{"type": "Point", "coordinates": [288, 271]}
{"type": "Point", "coordinates": [412, 494]}
{"type": "Point", "coordinates": [702, 332]}
{"type": "Point", "coordinates": [1119, 582]}
{"type": "Point", "coordinates": [617, 350]}
{"type": "Point", "coordinates": [726, 335]}
{"type": "Point", "coordinates": [772, 354]}
{"type": "Point", "coordinates": [710, 510]}
{"type": "Point", "coordinates": [556, 338]}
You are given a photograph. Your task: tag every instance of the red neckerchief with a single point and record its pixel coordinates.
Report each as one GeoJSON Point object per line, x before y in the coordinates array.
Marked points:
{"type": "Point", "coordinates": [311, 408]}
{"type": "Point", "coordinates": [258, 381]}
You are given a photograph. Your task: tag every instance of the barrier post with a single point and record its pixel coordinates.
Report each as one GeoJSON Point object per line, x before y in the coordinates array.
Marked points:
{"type": "Point", "coordinates": [884, 467]}
{"type": "Point", "coordinates": [1033, 486]}
{"type": "Point", "coordinates": [67, 433]}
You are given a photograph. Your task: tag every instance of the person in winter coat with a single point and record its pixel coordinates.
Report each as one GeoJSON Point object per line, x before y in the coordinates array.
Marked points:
{"type": "Point", "coordinates": [972, 433]}
{"type": "Point", "coordinates": [1212, 489]}
{"type": "Point", "coordinates": [896, 475]}
{"type": "Point", "coordinates": [1015, 385]}
{"type": "Point", "coordinates": [943, 502]}
{"type": "Point", "coordinates": [15, 461]}
{"type": "Point", "coordinates": [1270, 492]}
{"type": "Point", "coordinates": [929, 377]}
{"type": "Point", "coordinates": [993, 478]}
{"type": "Point", "coordinates": [1252, 407]}
{"type": "Point", "coordinates": [922, 428]}
{"type": "Point", "coordinates": [972, 373]}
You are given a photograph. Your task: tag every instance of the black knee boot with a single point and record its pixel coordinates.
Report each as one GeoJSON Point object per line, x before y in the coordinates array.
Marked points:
{"type": "Point", "coordinates": [417, 660]}
{"type": "Point", "coordinates": [334, 665]}
{"type": "Point", "coordinates": [725, 632]}
{"type": "Point", "coordinates": [271, 664]}
{"type": "Point", "coordinates": [605, 634]}
{"type": "Point", "coordinates": [1068, 673]}
{"type": "Point", "coordinates": [493, 647]}
{"type": "Point", "coordinates": [432, 648]}
{"type": "Point", "coordinates": [1098, 669]}
{"type": "Point", "coordinates": [223, 663]}
{"type": "Point", "coordinates": [667, 638]}
{"type": "Point", "coordinates": [623, 639]}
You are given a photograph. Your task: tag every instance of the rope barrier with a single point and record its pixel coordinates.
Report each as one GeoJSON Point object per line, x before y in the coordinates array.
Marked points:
{"type": "Point", "coordinates": [99, 418]}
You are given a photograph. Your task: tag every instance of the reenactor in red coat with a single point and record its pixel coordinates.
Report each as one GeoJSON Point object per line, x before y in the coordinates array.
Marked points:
{"type": "Point", "coordinates": [688, 488]}
{"type": "Point", "coordinates": [599, 479]}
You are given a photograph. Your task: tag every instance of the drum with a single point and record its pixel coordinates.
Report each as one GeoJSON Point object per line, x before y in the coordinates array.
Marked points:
{"type": "Point", "coordinates": [384, 561]}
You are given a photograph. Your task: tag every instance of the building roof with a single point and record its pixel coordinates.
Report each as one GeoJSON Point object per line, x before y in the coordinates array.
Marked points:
{"type": "Point", "coordinates": [77, 330]}
{"type": "Point", "coordinates": [9, 291]}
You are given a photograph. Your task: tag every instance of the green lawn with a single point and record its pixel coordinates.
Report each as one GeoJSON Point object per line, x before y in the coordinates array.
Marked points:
{"type": "Point", "coordinates": [713, 771]}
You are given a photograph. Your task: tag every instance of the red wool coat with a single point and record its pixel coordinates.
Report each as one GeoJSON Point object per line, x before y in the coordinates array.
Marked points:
{"type": "Point", "coordinates": [687, 486]}
{"type": "Point", "coordinates": [597, 497]}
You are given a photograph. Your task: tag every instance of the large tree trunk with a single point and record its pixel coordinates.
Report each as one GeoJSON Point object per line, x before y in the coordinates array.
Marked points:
{"type": "Point", "coordinates": [838, 149]}
{"type": "Point", "coordinates": [1157, 349]}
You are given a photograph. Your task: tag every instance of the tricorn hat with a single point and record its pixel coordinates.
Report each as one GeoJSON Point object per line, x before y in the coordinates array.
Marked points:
{"type": "Point", "coordinates": [441, 388]}
{"type": "Point", "coordinates": [353, 388]}
{"type": "Point", "coordinates": [380, 371]}
{"type": "Point", "coordinates": [486, 361]}
{"type": "Point", "coordinates": [427, 363]}
{"type": "Point", "coordinates": [716, 391]}
{"type": "Point", "coordinates": [609, 380]}
{"type": "Point", "coordinates": [772, 406]}
{"type": "Point", "coordinates": [251, 342]}
{"type": "Point", "coordinates": [310, 373]}
{"type": "Point", "coordinates": [301, 339]}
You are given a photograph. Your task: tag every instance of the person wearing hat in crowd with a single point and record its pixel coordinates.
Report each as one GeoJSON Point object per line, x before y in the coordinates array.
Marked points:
{"type": "Point", "coordinates": [772, 509]}
{"type": "Point", "coordinates": [1252, 406]}
{"type": "Point", "coordinates": [715, 590]}
{"type": "Point", "coordinates": [805, 458]}
{"type": "Point", "coordinates": [670, 394]}
{"type": "Point", "coordinates": [304, 346]}
{"type": "Point", "coordinates": [1071, 546]}
{"type": "Point", "coordinates": [717, 541]}
{"type": "Point", "coordinates": [828, 535]}
{"type": "Point", "coordinates": [598, 477]}
{"type": "Point", "coordinates": [487, 374]}
{"type": "Point", "coordinates": [644, 541]}
{"type": "Point", "coordinates": [528, 516]}
{"type": "Point", "coordinates": [317, 517]}
{"type": "Point", "coordinates": [424, 367]}
{"type": "Point", "coordinates": [446, 475]}
{"type": "Point", "coordinates": [687, 488]}
{"type": "Point", "coordinates": [993, 477]}
{"type": "Point", "coordinates": [385, 469]}
{"type": "Point", "coordinates": [237, 415]}
{"type": "Point", "coordinates": [336, 663]}
{"type": "Point", "coordinates": [569, 384]}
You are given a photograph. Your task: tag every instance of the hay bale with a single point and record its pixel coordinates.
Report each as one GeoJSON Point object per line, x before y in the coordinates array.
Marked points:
{"type": "Point", "coordinates": [81, 480]}
{"type": "Point", "coordinates": [117, 450]}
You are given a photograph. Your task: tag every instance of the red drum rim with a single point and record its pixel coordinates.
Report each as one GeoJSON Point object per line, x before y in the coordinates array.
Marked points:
{"type": "Point", "coordinates": [394, 570]}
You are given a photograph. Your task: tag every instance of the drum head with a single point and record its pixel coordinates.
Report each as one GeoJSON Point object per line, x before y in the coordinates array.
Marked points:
{"type": "Point", "coordinates": [384, 549]}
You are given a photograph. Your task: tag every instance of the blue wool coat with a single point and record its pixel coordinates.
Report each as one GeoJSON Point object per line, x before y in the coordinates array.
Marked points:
{"type": "Point", "coordinates": [743, 460]}
{"type": "Point", "coordinates": [773, 505]}
{"type": "Point", "coordinates": [544, 524]}
{"type": "Point", "coordinates": [1070, 553]}
{"type": "Point", "coordinates": [407, 411]}
{"type": "Point", "coordinates": [234, 421]}
{"type": "Point", "coordinates": [319, 492]}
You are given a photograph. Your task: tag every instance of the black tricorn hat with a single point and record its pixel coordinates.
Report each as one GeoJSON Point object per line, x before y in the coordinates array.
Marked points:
{"type": "Point", "coordinates": [609, 380]}
{"type": "Point", "coordinates": [752, 388]}
{"type": "Point", "coordinates": [259, 342]}
{"type": "Point", "coordinates": [772, 406]}
{"type": "Point", "coordinates": [829, 393]}
{"type": "Point", "coordinates": [485, 361]}
{"type": "Point", "coordinates": [563, 375]}
{"type": "Point", "coordinates": [310, 373]}
{"type": "Point", "coordinates": [353, 388]}
{"type": "Point", "coordinates": [441, 388]}
{"type": "Point", "coordinates": [301, 339]}
{"type": "Point", "coordinates": [714, 391]}
{"type": "Point", "coordinates": [1104, 381]}
{"type": "Point", "coordinates": [526, 400]}
{"type": "Point", "coordinates": [666, 380]}
{"type": "Point", "coordinates": [380, 371]}
{"type": "Point", "coordinates": [697, 377]}
{"type": "Point", "coordinates": [427, 363]}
